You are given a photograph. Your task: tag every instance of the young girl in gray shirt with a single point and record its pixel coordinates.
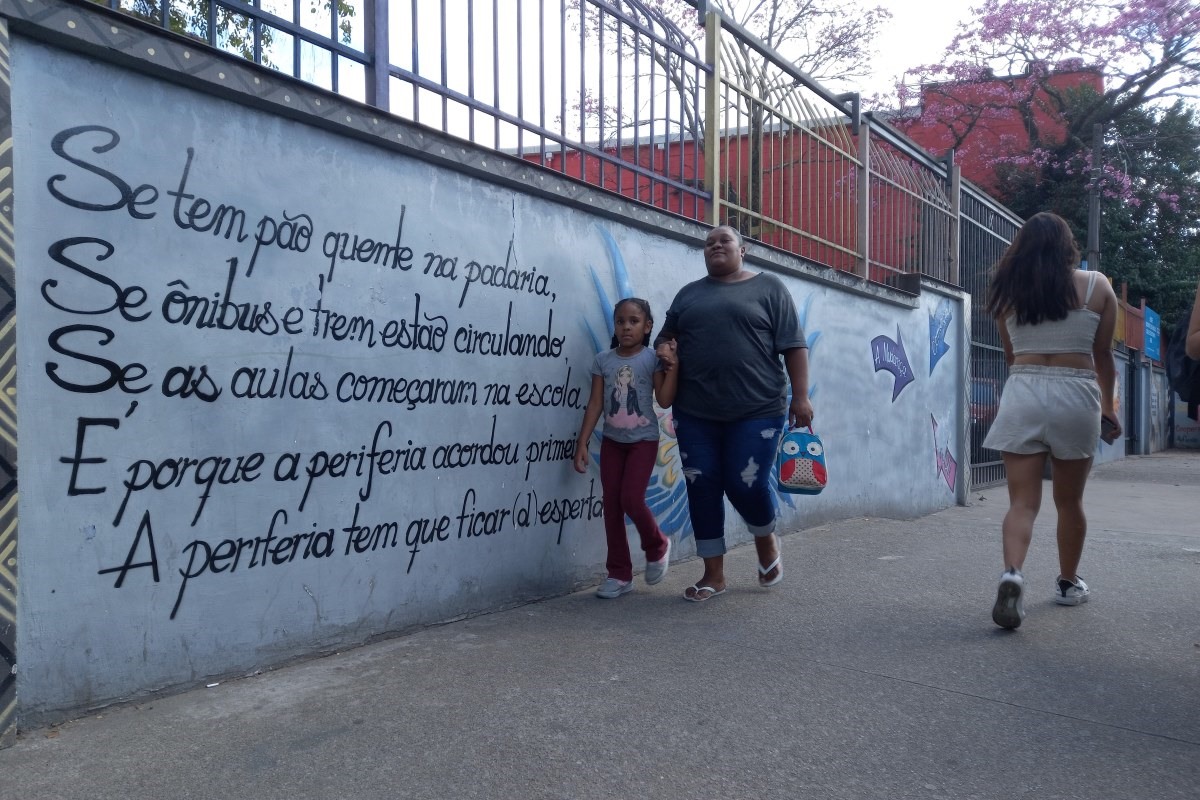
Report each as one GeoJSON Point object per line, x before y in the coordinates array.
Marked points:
{"type": "Point", "coordinates": [625, 380]}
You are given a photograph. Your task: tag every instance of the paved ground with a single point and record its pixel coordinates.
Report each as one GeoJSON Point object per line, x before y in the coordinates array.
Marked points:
{"type": "Point", "coordinates": [873, 671]}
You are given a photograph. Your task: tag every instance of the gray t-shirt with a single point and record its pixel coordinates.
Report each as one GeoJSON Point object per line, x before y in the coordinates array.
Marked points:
{"type": "Point", "coordinates": [628, 395]}
{"type": "Point", "coordinates": [730, 338]}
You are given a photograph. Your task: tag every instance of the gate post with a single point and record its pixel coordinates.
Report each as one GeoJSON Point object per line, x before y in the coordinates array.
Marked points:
{"type": "Point", "coordinates": [378, 71]}
{"type": "Point", "coordinates": [712, 116]}
{"type": "Point", "coordinates": [863, 200]}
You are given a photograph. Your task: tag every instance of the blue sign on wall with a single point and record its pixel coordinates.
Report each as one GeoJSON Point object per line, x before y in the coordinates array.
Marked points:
{"type": "Point", "coordinates": [1153, 326]}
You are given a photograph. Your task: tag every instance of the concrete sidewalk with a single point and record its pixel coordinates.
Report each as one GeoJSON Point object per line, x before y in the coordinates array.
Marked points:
{"type": "Point", "coordinates": [872, 671]}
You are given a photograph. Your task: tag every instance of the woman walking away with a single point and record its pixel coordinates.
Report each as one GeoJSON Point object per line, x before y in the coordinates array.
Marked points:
{"type": "Point", "coordinates": [740, 348]}
{"type": "Point", "coordinates": [622, 379]}
{"type": "Point", "coordinates": [1056, 323]}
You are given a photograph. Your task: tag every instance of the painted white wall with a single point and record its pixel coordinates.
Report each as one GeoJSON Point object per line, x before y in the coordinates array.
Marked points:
{"type": "Point", "coordinates": [1159, 390]}
{"type": "Point", "coordinates": [1186, 428]}
{"type": "Point", "coordinates": [1150, 396]}
{"type": "Point", "coordinates": [128, 586]}
{"type": "Point", "coordinates": [1151, 410]}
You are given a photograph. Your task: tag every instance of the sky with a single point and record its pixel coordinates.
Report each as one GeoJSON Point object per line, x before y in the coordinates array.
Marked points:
{"type": "Point", "coordinates": [918, 33]}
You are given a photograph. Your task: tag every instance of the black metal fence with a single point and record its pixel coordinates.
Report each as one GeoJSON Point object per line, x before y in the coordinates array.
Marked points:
{"type": "Point", "coordinates": [985, 229]}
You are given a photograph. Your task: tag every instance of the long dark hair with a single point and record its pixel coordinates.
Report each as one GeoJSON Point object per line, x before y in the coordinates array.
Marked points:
{"type": "Point", "coordinates": [645, 307]}
{"type": "Point", "coordinates": [1033, 277]}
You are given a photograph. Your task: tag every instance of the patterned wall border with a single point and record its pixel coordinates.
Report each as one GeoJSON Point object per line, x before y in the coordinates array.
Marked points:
{"type": "Point", "coordinates": [8, 414]}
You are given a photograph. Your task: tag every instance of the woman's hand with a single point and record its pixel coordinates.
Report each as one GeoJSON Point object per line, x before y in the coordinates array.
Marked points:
{"type": "Point", "coordinates": [1110, 428]}
{"type": "Point", "coordinates": [800, 413]}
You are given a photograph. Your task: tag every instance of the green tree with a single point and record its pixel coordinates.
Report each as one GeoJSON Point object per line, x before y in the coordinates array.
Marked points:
{"type": "Point", "coordinates": [1150, 204]}
{"type": "Point", "coordinates": [1152, 242]}
{"type": "Point", "coordinates": [1148, 52]}
{"type": "Point", "coordinates": [233, 31]}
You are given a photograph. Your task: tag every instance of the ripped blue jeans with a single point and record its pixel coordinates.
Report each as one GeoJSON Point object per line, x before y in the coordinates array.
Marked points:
{"type": "Point", "coordinates": [728, 459]}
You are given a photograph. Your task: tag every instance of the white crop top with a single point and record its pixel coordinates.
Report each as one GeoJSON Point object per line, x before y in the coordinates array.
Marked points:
{"type": "Point", "coordinates": [1073, 334]}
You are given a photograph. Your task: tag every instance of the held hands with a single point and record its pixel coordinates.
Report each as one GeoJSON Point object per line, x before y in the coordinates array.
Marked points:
{"type": "Point", "coordinates": [800, 413]}
{"type": "Point", "coordinates": [668, 354]}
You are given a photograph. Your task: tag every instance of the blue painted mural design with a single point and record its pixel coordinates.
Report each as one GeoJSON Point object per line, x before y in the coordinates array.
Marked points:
{"type": "Point", "coordinates": [666, 493]}
{"type": "Point", "coordinates": [890, 357]}
{"type": "Point", "coordinates": [939, 326]}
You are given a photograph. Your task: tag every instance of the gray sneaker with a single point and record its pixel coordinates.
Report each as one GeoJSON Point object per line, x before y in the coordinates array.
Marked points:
{"type": "Point", "coordinates": [613, 588]}
{"type": "Point", "coordinates": [657, 570]}
{"type": "Point", "coordinates": [1009, 609]}
{"type": "Point", "coordinates": [1071, 593]}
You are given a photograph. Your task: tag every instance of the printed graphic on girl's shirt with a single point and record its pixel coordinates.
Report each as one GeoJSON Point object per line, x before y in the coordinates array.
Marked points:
{"type": "Point", "coordinates": [624, 411]}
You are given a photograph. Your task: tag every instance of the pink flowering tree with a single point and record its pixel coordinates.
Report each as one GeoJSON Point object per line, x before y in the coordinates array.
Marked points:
{"type": "Point", "coordinates": [1006, 75]}
{"type": "Point", "coordinates": [1018, 93]}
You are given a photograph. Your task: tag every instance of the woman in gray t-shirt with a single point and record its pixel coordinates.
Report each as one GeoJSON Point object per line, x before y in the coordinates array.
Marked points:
{"type": "Point", "coordinates": [728, 332]}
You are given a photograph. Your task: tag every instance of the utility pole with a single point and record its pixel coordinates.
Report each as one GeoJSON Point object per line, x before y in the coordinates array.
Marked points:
{"type": "Point", "coordinates": [1093, 233]}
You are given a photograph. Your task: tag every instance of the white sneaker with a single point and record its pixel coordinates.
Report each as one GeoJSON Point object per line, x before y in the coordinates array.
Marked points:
{"type": "Point", "coordinates": [613, 588]}
{"type": "Point", "coordinates": [657, 570]}
{"type": "Point", "coordinates": [1009, 609]}
{"type": "Point", "coordinates": [1071, 593]}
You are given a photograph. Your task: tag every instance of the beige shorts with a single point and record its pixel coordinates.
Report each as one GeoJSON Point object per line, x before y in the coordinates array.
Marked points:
{"type": "Point", "coordinates": [1052, 410]}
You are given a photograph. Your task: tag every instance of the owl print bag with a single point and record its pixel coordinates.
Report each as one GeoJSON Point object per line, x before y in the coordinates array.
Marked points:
{"type": "Point", "coordinates": [800, 462]}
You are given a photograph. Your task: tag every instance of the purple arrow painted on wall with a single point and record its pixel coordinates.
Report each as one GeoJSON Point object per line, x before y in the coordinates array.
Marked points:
{"type": "Point", "coordinates": [947, 467]}
{"type": "Point", "coordinates": [890, 356]}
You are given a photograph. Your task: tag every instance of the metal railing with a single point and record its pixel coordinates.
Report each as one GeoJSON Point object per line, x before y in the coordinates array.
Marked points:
{"type": "Point", "coordinates": [986, 229]}
{"type": "Point", "coordinates": [781, 150]}
{"type": "Point", "coordinates": [608, 93]}
{"type": "Point", "coordinates": [913, 208]}
{"type": "Point", "coordinates": [621, 95]}
{"type": "Point", "coordinates": [690, 114]}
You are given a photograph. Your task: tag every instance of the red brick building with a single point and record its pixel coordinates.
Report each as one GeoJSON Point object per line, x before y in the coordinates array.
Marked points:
{"type": "Point", "coordinates": [992, 121]}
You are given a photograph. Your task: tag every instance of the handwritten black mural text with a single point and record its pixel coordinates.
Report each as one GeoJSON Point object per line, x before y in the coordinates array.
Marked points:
{"type": "Point", "coordinates": [317, 387]}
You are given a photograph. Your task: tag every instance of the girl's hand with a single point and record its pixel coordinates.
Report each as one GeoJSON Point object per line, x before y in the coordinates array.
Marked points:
{"type": "Point", "coordinates": [581, 457]}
